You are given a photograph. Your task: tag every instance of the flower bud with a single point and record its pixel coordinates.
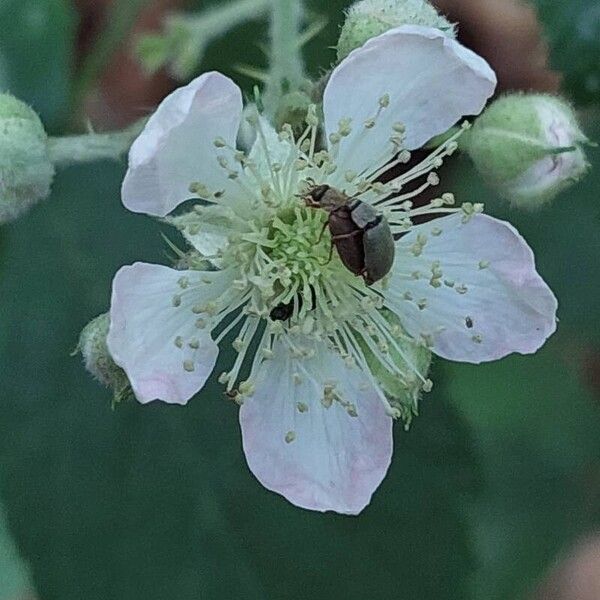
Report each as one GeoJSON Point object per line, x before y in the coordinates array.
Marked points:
{"type": "Point", "coordinates": [97, 358]}
{"type": "Point", "coordinates": [25, 169]}
{"type": "Point", "coordinates": [369, 18]}
{"type": "Point", "coordinates": [412, 360]}
{"type": "Point", "coordinates": [528, 147]}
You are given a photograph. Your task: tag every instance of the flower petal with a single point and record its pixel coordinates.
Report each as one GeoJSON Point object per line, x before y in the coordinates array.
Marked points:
{"type": "Point", "coordinates": [153, 334]}
{"type": "Point", "coordinates": [488, 300]}
{"type": "Point", "coordinates": [267, 150]}
{"type": "Point", "coordinates": [206, 229]}
{"type": "Point", "coordinates": [318, 458]}
{"type": "Point", "coordinates": [176, 146]}
{"type": "Point", "coordinates": [431, 80]}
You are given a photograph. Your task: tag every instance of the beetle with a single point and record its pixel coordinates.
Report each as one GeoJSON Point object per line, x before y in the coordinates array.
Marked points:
{"type": "Point", "coordinates": [362, 237]}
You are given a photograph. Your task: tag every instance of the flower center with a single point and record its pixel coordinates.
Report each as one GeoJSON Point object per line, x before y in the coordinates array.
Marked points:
{"type": "Point", "coordinates": [290, 283]}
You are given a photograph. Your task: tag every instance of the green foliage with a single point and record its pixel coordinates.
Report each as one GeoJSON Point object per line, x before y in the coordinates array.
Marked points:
{"type": "Point", "coordinates": [574, 31]}
{"type": "Point", "coordinates": [36, 54]}
{"type": "Point", "coordinates": [536, 427]}
{"type": "Point", "coordinates": [14, 576]}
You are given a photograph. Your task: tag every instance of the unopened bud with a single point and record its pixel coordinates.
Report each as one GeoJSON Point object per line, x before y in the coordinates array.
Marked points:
{"type": "Point", "coordinates": [97, 358]}
{"type": "Point", "coordinates": [370, 18]}
{"type": "Point", "coordinates": [528, 147]}
{"type": "Point", "coordinates": [25, 170]}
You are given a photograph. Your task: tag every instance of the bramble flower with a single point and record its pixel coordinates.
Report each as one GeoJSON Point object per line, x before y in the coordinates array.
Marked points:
{"type": "Point", "coordinates": [324, 361]}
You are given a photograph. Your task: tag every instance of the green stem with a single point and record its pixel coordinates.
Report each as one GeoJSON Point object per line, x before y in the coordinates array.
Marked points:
{"type": "Point", "coordinates": [76, 149]}
{"type": "Point", "coordinates": [119, 20]}
{"type": "Point", "coordinates": [223, 18]}
{"type": "Point", "coordinates": [193, 33]}
{"type": "Point", "coordinates": [287, 67]}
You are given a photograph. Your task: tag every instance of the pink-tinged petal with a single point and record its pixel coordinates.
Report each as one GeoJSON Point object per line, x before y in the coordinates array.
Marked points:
{"type": "Point", "coordinates": [176, 146]}
{"type": "Point", "coordinates": [153, 334]}
{"type": "Point", "coordinates": [487, 299]}
{"type": "Point", "coordinates": [430, 79]}
{"type": "Point", "coordinates": [319, 458]}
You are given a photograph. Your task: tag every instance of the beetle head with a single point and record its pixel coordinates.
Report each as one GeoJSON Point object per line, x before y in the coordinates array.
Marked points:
{"type": "Point", "coordinates": [316, 195]}
{"type": "Point", "coordinates": [327, 198]}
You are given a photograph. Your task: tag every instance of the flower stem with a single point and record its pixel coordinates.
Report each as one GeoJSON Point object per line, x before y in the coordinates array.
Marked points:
{"type": "Point", "coordinates": [287, 66]}
{"type": "Point", "coordinates": [90, 147]}
{"type": "Point", "coordinates": [188, 35]}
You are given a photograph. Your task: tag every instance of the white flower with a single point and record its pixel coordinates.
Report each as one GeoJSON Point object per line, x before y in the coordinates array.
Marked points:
{"type": "Point", "coordinates": [316, 425]}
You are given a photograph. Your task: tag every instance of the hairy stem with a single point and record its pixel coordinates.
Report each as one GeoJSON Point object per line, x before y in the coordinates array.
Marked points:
{"type": "Point", "coordinates": [186, 36]}
{"type": "Point", "coordinates": [287, 67]}
{"type": "Point", "coordinates": [76, 149]}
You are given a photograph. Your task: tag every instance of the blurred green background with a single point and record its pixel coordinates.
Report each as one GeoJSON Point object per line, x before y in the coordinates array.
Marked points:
{"type": "Point", "coordinates": [497, 478]}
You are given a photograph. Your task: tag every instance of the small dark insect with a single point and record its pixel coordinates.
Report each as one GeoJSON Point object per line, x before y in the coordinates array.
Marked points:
{"type": "Point", "coordinates": [361, 236]}
{"type": "Point", "coordinates": [282, 312]}
{"type": "Point", "coordinates": [469, 322]}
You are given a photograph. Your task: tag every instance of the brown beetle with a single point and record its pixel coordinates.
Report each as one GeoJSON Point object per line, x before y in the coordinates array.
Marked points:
{"type": "Point", "coordinates": [361, 236]}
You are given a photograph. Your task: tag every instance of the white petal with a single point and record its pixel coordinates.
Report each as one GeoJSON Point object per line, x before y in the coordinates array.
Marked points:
{"type": "Point", "coordinates": [334, 461]}
{"type": "Point", "coordinates": [504, 307]}
{"type": "Point", "coordinates": [268, 150]}
{"type": "Point", "coordinates": [176, 146]}
{"type": "Point", "coordinates": [432, 81]}
{"type": "Point", "coordinates": [207, 231]}
{"type": "Point", "coordinates": [145, 324]}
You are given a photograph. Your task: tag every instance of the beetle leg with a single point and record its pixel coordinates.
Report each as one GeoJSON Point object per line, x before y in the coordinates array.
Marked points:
{"type": "Point", "coordinates": [330, 256]}
{"type": "Point", "coordinates": [365, 275]}
{"type": "Point", "coordinates": [345, 236]}
{"type": "Point", "coordinates": [322, 232]}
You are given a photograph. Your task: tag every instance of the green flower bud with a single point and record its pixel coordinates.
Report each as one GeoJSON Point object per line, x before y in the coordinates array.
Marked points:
{"type": "Point", "coordinates": [412, 360]}
{"type": "Point", "coordinates": [369, 18]}
{"type": "Point", "coordinates": [99, 362]}
{"type": "Point", "coordinates": [528, 147]}
{"type": "Point", "coordinates": [25, 169]}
